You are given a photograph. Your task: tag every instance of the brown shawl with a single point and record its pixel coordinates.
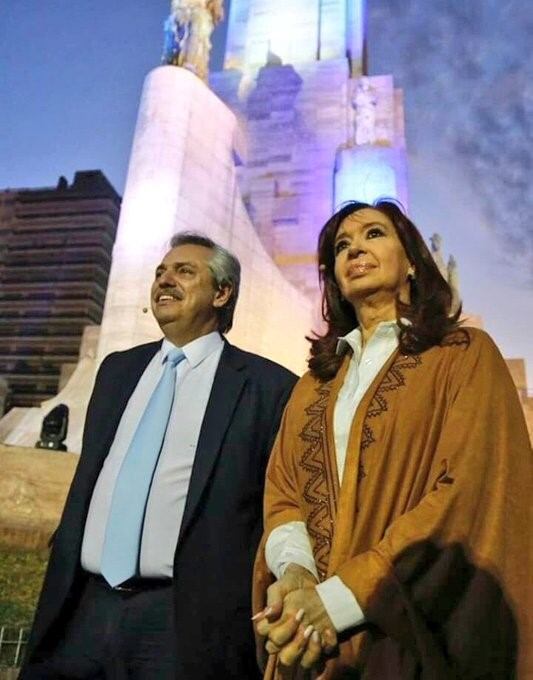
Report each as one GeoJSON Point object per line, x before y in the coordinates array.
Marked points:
{"type": "Point", "coordinates": [431, 526]}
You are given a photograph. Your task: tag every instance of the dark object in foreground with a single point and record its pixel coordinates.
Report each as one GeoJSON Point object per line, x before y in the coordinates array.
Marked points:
{"type": "Point", "coordinates": [54, 429]}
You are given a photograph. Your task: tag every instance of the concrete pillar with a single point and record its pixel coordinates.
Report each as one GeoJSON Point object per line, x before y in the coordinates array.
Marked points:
{"type": "Point", "coordinates": [182, 176]}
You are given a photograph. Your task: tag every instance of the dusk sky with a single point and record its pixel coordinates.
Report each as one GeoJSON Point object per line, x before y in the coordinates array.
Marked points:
{"type": "Point", "coordinates": [71, 73]}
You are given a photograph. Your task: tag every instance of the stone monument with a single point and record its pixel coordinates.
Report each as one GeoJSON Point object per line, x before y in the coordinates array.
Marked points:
{"type": "Point", "coordinates": [182, 175]}
{"type": "Point", "coordinates": [297, 128]}
{"type": "Point", "coordinates": [320, 130]}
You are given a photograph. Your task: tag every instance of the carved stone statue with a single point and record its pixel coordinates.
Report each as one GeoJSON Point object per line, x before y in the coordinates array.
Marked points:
{"type": "Point", "coordinates": [450, 271]}
{"type": "Point", "coordinates": [453, 280]}
{"type": "Point", "coordinates": [436, 251]}
{"type": "Point", "coordinates": [364, 103]}
{"type": "Point", "coordinates": [188, 32]}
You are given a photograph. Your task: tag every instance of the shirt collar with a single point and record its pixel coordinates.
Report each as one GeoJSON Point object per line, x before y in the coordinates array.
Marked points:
{"type": "Point", "coordinates": [354, 339]}
{"type": "Point", "coordinates": [197, 350]}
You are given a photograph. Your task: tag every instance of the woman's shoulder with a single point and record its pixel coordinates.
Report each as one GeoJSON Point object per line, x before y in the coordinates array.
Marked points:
{"type": "Point", "coordinates": [306, 383]}
{"type": "Point", "coordinates": [468, 337]}
{"type": "Point", "coordinates": [469, 344]}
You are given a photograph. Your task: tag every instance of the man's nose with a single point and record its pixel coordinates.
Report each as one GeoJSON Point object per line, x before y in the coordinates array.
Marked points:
{"type": "Point", "coordinates": [166, 279]}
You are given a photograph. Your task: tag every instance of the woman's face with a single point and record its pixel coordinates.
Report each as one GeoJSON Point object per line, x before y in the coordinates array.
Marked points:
{"type": "Point", "coordinates": [369, 257]}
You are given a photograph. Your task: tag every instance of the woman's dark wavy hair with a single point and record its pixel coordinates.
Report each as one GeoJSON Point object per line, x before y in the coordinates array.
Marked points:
{"type": "Point", "coordinates": [429, 311]}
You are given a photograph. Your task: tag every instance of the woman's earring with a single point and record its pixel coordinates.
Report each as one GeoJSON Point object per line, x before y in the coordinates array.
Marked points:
{"type": "Point", "coordinates": [411, 274]}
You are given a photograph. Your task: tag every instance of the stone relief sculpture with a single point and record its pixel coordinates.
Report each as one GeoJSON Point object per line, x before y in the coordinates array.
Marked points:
{"type": "Point", "coordinates": [188, 32]}
{"type": "Point", "coordinates": [364, 103]}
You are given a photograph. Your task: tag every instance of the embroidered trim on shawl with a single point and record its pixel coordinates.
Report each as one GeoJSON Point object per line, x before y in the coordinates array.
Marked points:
{"type": "Point", "coordinates": [367, 437]}
{"type": "Point", "coordinates": [393, 380]}
{"type": "Point", "coordinates": [320, 492]}
{"type": "Point", "coordinates": [456, 338]}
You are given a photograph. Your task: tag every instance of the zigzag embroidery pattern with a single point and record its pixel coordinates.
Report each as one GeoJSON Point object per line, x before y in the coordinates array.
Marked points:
{"type": "Point", "coordinates": [393, 380]}
{"type": "Point", "coordinates": [367, 437]}
{"type": "Point", "coordinates": [316, 492]}
{"type": "Point", "coordinates": [456, 339]}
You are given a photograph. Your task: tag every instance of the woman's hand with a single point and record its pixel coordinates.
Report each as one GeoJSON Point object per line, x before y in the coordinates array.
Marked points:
{"type": "Point", "coordinates": [295, 620]}
{"type": "Point", "coordinates": [304, 633]}
{"type": "Point", "coordinates": [305, 647]}
{"type": "Point", "coordinates": [294, 578]}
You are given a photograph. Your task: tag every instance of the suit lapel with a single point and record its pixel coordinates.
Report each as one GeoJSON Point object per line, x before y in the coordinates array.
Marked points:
{"type": "Point", "coordinates": [227, 386]}
{"type": "Point", "coordinates": [123, 377]}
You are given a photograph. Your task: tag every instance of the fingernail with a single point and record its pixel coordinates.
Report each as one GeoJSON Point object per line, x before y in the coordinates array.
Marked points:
{"type": "Point", "coordinates": [300, 614]}
{"type": "Point", "coordinates": [262, 614]}
{"type": "Point", "coordinates": [308, 631]}
{"type": "Point", "coordinates": [315, 637]}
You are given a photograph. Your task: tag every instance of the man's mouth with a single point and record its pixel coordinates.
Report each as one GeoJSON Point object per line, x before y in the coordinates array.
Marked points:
{"type": "Point", "coordinates": [167, 297]}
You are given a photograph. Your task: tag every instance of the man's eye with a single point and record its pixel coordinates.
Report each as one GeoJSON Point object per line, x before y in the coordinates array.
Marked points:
{"type": "Point", "coordinates": [186, 270]}
{"type": "Point", "coordinates": [374, 232]}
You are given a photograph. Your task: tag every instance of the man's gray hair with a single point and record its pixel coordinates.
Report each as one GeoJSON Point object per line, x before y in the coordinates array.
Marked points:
{"type": "Point", "coordinates": [225, 270]}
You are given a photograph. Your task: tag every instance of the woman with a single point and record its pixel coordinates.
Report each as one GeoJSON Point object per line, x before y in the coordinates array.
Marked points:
{"type": "Point", "coordinates": [399, 481]}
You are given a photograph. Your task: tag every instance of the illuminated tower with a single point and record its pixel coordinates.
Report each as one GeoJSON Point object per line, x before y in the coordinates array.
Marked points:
{"type": "Point", "coordinates": [297, 31]}
{"type": "Point", "coordinates": [319, 130]}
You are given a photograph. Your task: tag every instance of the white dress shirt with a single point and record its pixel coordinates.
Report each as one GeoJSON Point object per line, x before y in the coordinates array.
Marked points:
{"type": "Point", "coordinates": [290, 542]}
{"type": "Point", "coordinates": [168, 493]}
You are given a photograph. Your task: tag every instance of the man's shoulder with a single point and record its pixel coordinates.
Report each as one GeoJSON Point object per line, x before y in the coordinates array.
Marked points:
{"type": "Point", "coordinates": [132, 354]}
{"type": "Point", "coordinates": [261, 366]}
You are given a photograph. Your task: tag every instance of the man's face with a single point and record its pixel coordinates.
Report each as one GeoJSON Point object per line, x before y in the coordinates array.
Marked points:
{"type": "Point", "coordinates": [183, 296]}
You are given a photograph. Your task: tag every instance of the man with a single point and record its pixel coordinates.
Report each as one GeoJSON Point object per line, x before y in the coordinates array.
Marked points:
{"type": "Point", "coordinates": [150, 570]}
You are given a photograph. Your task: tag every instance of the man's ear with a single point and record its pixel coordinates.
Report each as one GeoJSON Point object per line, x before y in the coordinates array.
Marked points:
{"type": "Point", "coordinates": [222, 295]}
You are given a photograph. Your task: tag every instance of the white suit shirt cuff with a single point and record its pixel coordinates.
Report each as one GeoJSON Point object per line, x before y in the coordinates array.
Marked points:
{"type": "Point", "coordinates": [289, 543]}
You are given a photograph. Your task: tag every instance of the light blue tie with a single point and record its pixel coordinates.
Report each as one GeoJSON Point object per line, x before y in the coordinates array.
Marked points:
{"type": "Point", "coordinates": [126, 515]}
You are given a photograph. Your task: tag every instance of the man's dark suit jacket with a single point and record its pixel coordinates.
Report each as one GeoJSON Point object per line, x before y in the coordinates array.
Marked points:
{"type": "Point", "coordinates": [222, 522]}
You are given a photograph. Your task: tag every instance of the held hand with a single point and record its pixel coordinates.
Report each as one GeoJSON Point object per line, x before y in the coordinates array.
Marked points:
{"type": "Point", "coordinates": [304, 647]}
{"type": "Point", "coordinates": [303, 632]}
{"type": "Point", "coordinates": [301, 608]}
{"type": "Point", "coordinates": [309, 648]}
{"type": "Point", "coordinates": [315, 613]}
{"type": "Point", "coordinates": [294, 578]}
{"type": "Point", "coordinates": [303, 637]}
{"type": "Point", "coordinates": [288, 625]}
